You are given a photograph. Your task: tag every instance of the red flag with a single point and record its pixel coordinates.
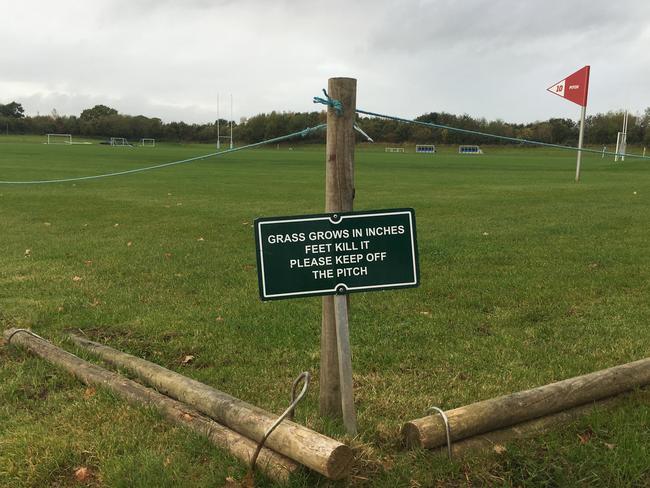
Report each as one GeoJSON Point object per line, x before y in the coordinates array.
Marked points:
{"type": "Point", "coordinates": [574, 87]}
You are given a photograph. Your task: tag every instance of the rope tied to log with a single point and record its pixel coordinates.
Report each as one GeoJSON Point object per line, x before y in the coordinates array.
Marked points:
{"type": "Point", "coordinates": [447, 428]}
{"type": "Point", "coordinates": [330, 102]}
{"type": "Point", "coordinates": [288, 413]}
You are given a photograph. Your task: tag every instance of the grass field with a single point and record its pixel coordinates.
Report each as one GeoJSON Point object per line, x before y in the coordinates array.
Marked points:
{"type": "Point", "coordinates": [527, 278]}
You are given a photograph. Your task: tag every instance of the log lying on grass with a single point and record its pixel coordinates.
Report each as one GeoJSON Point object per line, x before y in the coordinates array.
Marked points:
{"type": "Point", "coordinates": [504, 411]}
{"type": "Point", "coordinates": [316, 451]}
{"type": "Point", "coordinates": [495, 440]}
{"type": "Point", "coordinates": [274, 465]}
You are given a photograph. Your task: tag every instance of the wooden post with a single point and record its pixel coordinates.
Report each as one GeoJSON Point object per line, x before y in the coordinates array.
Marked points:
{"type": "Point", "coordinates": [339, 197]}
{"type": "Point", "coordinates": [345, 364]}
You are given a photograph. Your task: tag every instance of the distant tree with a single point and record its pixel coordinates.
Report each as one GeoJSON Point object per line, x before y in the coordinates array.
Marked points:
{"type": "Point", "coordinates": [98, 111]}
{"type": "Point", "coordinates": [14, 110]}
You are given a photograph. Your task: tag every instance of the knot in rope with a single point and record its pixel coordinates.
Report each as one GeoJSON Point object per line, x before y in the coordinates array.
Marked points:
{"type": "Point", "coordinates": [330, 102]}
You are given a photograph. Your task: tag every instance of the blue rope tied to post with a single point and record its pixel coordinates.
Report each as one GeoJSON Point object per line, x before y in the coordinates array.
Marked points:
{"type": "Point", "coordinates": [330, 102]}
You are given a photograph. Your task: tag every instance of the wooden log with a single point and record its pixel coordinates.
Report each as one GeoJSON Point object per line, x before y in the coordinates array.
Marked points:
{"type": "Point", "coordinates": [496, 413]}
{"type": "Point", "coordinates": [528, 429]}
{"type": "Point", "coordinates": [274, 465]}
{"type": "Point", "coordinates": [316, 451]}
{"type": "Point", "coordinates": [339, 197]}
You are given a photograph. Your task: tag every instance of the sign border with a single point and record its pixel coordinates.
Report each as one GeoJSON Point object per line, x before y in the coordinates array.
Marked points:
{"type": "Point", "coordinates": [334, 218]}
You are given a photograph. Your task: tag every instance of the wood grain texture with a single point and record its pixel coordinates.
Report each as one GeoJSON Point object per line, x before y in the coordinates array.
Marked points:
{"type": "Point", "coordinates": [339, 197]}
{"type": "Point", "coordinates": [507, 410]}
{"type": "Point", "coordinates": [274, 465]}
{"type": "Point", "coordinates": [316, 451]}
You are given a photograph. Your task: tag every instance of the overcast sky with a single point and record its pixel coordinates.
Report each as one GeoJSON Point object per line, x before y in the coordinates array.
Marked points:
{"type": "Point", "coordinates": [490, 58]}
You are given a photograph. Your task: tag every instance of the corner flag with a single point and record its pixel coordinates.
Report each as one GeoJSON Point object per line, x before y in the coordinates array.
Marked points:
{"type": "Point", "coordinates": [574, 87]}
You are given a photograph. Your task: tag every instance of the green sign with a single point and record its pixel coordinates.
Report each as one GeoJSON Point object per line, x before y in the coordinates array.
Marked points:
{"type": "Point", "coordinates": [336, 253]}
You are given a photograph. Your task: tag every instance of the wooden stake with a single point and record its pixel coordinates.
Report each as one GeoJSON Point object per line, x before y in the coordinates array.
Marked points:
{"type": "Point", "coordinates": [508, 410]}
{"type": "Point", "coordinates": [274, 465]}
{"type": "Point", "coordinates": [345, 364]}
{"type": "Point", "coordinates": [339, 197]}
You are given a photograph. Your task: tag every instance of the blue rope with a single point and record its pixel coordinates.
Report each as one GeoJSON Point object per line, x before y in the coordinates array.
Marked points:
{"type": "Point", "coordinates": [495, 136]}
{"type": "Point", "coordinates": [303, 133]}
{"type": "Point", "coordinates": [330, 102]}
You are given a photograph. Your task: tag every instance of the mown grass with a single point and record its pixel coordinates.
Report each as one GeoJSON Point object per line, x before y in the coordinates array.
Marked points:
{"type": "Point", "coordinates": [527, 278]}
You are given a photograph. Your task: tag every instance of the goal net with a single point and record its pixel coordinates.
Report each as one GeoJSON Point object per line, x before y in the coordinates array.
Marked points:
{"type": "Point", "coordinates": [119, 141]}
{"type": "Point", "coordinates": [148, 142]}
{"type": "Point", "coordinates": [59, 139]}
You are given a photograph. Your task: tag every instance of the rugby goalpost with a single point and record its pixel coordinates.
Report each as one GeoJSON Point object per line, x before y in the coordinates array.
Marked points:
{"type": "Point", "coordinates": [59, 139]}
{"type": "Point", "coordinates": [621, 141]}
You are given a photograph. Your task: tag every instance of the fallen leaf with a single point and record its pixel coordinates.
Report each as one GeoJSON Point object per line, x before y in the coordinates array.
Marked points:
{"type": "Point", "coordinates": [95, 302]}
{"type": "Point", "coordinates": [232, 483]}
{"type": "Point", "coordinates": [77, 278]}
{"type": "Point", "coordinates": [89, 392]}
{"type": "Point", "coordinates": [428, 314]}
{"type": "Point", "coordinates": [28, 253]}
{"type": "Point", "coordinates": [59, 309]}
{"type": "Point", "coordinates": [609, 446]}
{"type": "Point", "coordinates": [168, 255]}
{"type": "Point", "coordinates": [82, 473]}
{"type": "Point", "coordinates": [88, 262]}
{"type": "Point", "coordinates": [486, 234]}
{"type": "Point", "coordinates": [187, 416]}
{"type": "Point", "coordinates": [585, 436]}
{"type": "Point", "coordinates": [200, 239]}
{"type": "Point", "coordinates": [499, 449]}
{"type": "Point", "coordinates": [129, 244]}
{"type": "Point", "coordinates": [219, 319]}
{"type": "Point", "coordinates": [187, 359]}
{"type": "Point", "coordinates": [47, 224]}
{"type": "Point", "coordinates": [167, 461]}
{"type": "Point", "coordinates": [116, 225]}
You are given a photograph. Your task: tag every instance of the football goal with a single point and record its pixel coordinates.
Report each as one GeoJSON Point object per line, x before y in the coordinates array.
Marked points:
{"type": "Point", "coordinates": [394, 149]}
{"type": "Point", "coordinates": [119, 141]}
{"type": "Point", "coordinates": [148, 142]}
{"type": "Point", "coordinates": [425, 148]}
{"type": "Point", "coordinates": [59, 139]}
{"type": "Point", "coordinates": [469, 150]}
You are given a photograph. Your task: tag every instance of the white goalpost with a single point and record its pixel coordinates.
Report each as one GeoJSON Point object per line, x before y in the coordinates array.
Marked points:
{"type": "Point", "coordinates": [148, 142]}
{"type": "Point", "coordinates": [119, 141]}
{"type": "Point", "coordinates": [621, 141]}
{"type": "Point", "coordinates": [59, 139]}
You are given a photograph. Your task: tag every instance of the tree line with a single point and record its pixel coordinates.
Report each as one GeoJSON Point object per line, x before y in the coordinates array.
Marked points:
{"type": "Point", "coordinates": [104, 122]}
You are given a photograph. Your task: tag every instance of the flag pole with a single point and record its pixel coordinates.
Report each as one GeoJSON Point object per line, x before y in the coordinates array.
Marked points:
{"type": "Point", "coordinates": [580, 137]}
